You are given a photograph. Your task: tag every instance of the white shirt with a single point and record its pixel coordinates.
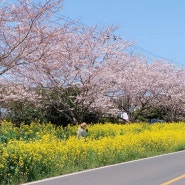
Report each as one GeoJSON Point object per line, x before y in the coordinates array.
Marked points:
{"type": "Point", "coordinates": [81, 132]}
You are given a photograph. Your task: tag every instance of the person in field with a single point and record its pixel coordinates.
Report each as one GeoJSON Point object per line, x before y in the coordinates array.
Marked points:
{"type": "Point", "coordinates": [82, 130]}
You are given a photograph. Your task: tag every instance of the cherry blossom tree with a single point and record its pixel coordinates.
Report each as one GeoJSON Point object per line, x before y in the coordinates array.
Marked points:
{"type": "Point", "coordinates": [131, 90]}
{"type": "Point", "coordinates": [141, 86]}
{"type": "Point", "coordinates": [75, 69]}
{"type": "Point", "coordinates": [169, 92]}
{"type": "Point", "coordinates": [76, 59]}
{"type": "Point", "coordinates": [21, 35]}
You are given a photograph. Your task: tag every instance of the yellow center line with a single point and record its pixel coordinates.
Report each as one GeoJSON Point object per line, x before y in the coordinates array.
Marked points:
{"type": "Point", "coordinates": [174, 180]}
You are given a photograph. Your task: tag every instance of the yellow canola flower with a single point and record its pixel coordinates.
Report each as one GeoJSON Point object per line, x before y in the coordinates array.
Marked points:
{"type": "Point", "coordinates": [106, 143]}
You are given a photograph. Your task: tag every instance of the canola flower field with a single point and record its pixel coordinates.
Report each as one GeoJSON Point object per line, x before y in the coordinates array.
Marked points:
{"type": "Point", "coordinates": [37, 151]}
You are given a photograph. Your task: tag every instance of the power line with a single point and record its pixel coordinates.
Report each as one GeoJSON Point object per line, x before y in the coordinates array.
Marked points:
{"type": "Point", "coordinates": [149, 52]}
{"type": "Point", "coordinates": [114, 37]}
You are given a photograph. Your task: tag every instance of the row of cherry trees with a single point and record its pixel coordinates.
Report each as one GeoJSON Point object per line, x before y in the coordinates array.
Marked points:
{"type": "Point", "coordinates": [74, 70]}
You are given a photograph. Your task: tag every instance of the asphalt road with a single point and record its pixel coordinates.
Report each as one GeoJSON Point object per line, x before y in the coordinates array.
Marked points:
{"type": "Point", "coordinates": [160, 170]}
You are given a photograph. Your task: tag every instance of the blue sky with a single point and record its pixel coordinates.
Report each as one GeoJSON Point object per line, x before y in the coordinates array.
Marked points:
{"type": "Point", "coordinates": [156, 26]}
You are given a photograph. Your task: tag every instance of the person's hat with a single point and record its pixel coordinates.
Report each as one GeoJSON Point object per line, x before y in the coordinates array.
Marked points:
{"type": "Point", "coordinates": [83, 125]}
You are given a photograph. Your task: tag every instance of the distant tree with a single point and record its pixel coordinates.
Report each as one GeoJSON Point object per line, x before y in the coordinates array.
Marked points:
{"type": "Point", "coordinates": [141, 86]}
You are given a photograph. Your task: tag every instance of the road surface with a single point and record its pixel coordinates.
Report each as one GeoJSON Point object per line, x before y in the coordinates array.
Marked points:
{"type": "Point", "coordinates": [168, 169]}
